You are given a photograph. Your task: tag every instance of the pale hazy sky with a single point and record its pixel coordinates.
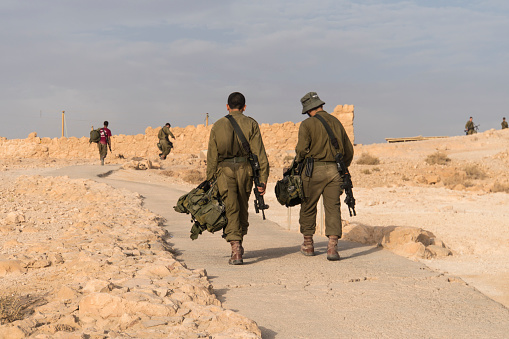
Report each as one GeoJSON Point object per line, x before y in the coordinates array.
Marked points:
{"type": "Point", "coordinates": [409, 67]}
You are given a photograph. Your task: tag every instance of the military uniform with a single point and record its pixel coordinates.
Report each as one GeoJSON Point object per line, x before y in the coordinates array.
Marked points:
{"type": "Point", "coordinates": [227, 161]}
{"type": "Point", "coordinates": [164, 141]}
{"type": "Point", "coordinates": [504, 124]}
{"type": "Point", "coordinates": [314, 142]}
{"type": "Point", "coordinates": [470, 127]}
{"type": "Point", "coordinates": [314, 146]}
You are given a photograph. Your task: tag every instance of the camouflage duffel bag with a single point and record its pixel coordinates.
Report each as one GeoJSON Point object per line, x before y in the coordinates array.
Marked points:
{"type": "Point", "coordinates": [206, 209]}
{"type": "Point", "coordinates": [289, 190]}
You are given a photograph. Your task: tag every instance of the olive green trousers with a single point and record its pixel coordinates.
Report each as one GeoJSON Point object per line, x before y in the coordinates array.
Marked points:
{"type": "Point", "coordinates": [234, 181]}
{"type": "Point", "coordinates": [325, 181]}
{"type": "Point", "coordinates": [103, 150]}
{"type": "Point", "coordinates": [166, 145]}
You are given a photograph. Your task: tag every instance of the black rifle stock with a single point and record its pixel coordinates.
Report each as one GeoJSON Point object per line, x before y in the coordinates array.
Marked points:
{"type": "Point", "coordinates": [259, 202]}
{"type": "Point", "coordinates": [347, 183]}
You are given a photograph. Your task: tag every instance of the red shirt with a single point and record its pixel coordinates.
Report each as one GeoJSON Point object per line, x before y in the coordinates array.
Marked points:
{"type": "Point", "coordinates": [105, 135]}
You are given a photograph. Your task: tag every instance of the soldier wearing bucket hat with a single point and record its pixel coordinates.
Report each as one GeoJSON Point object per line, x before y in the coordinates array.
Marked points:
{"type": "Point", "coordinates": [320, 177]}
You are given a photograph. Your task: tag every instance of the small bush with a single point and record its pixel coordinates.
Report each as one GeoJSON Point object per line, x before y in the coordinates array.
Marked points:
{"type": "Point", "coordinates": [500, 187]}
{"type": "Point", "coordinates": [437, 158]}
{"type": "Point", "coordinates": [168, 173]}
{"type": "Point", "coordinates": [366, 171]}
{"type": "Point", "coordinates": [193, 176]}
{"type": "Point", "coordinates": [475, 172]}
{"type": "Point", "coordinates": [368, 159]}
{"type": "Point", "coordinates": [376, 169]}
{"type": "Point", "coordinates": [15, 307]}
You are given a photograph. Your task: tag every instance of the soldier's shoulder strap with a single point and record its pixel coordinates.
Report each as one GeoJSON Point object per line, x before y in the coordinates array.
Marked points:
{"type": "Point", "coordinates": [332, 137]}
{"type": "Point", "coordinates": [242, 137]}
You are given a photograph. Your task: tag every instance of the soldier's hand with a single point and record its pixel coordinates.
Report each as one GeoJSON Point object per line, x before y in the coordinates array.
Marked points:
{"type": "Point", "coordinates": [261, 188]}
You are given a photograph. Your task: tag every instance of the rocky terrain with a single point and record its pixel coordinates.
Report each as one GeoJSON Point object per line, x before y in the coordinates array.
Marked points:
{"type": "Point", "coordinates": [79, 259]}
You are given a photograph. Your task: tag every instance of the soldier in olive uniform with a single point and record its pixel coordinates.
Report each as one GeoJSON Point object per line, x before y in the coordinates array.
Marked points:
{"type": "Point", "coordinates": [504, 123]}
{"type": "Point", "coordinates": [227, 162]}
{"type": "Point", "coordinates": [470, 127]}
{"type": "Point", "coordinates": [164, 141]}
{"type": "Point", "coordinates": [314, 146]}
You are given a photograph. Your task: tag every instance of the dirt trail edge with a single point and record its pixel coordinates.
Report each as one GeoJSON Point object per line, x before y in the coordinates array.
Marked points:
{"type": "Point", "coordinates": [370, 293]}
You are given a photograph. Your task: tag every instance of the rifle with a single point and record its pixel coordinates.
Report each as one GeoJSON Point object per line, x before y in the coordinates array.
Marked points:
{"type": "Point", "coordinates": [259, 203]}
{"type": "Point", "coordinates": [347, 183]}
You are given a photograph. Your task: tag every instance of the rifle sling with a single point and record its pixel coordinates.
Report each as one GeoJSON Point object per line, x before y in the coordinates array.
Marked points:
{"type": "Point", "coordinates": [238, 131]}
{"type": "Point", "coordinates": [332, 137]}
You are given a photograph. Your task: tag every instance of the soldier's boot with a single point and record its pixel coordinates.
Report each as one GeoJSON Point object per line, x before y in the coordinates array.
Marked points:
{"type": "Point", "coordinates": [236, 258]}
{"type": "Point", "coordinates": [332, 248]}
{"type": "Point", "coordinates": [102, 161]}
{"type": "Point", "coordinates": [307, 247]}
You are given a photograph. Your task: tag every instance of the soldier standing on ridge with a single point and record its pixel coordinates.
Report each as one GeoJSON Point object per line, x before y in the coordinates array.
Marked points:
{"type": "Point", "coordinates": [470, 127]}
{"type": "Point", "coordinates": [105, 142]}
{"type": "Point", "coordinates": [165, 145]}
{"type": "Point", "coordinates": [320, 174]}
{"type": "Point", "coordinates": [228, 162]}
{"type": "Point", "coordinates": [504, 123]}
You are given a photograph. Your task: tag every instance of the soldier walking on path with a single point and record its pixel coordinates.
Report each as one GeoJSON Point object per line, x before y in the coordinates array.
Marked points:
{"type": "Point", "coordinates": [320, 175]}
{"type": "Point", "coordinates": [105, 142]}
{"type": "Point", "coordinates": [165, 145]}
{"type": "Point", "coordinates": [470, 127]}
{"type": "Point", "coordinates": [504, 123]}
{"type": "Point", "coordinates": [227, 161]}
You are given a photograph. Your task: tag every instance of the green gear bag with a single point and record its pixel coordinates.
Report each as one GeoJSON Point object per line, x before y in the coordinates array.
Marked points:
{"type": "Point", "coordinates": [289, 190]}
{"type": "Point", "coordinates": [95, 136]}
{"type": "Point", "coordinates": [206, 209]}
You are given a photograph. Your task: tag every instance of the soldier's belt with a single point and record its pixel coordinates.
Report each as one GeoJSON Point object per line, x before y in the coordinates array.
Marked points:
{"type": "Point", "coordinates": [236, 159]}
{"type": "Point", "coordinates": [324, 163]}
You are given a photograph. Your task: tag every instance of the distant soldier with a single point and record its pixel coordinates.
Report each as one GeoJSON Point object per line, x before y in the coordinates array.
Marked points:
{"type": "Point", "coordinates": [165, 145]}
{"type": "Point", "coordinates": [504, 123]}
{"type": "Point", "coordinates": [105, 142]}
{"type": "Point", "coordinates": [470, 127]}
{"type": "Point", "coordinates": [320, 176]}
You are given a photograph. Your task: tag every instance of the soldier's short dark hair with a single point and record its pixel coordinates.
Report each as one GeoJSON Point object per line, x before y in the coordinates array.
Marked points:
{"type": "Point", "coordinates": [236, 100]}
{"type": "Point", "coordinates": [168, 124]}
{"type": "Point", "coordinates": [471, 118]}
{"type": "Point", "coordinates": [106, 123]}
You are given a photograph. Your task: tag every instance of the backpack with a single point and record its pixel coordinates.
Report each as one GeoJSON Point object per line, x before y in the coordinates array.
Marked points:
{"type": "Point", "coordinates": [289, 189]}
{"type": "Point", "coordinates": [206, 208]}
{"type": "Point", "coordinates": [95, 136]}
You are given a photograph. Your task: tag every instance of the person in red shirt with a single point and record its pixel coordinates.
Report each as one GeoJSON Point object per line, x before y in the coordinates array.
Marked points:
{"type": "Point", "coordinates": [105, 142]}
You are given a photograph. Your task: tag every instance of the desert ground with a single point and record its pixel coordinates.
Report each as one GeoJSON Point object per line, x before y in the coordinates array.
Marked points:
{"type": "Point", "coordinates": [82, 259]}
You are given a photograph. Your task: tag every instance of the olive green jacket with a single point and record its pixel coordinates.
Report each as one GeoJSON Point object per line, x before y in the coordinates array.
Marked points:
{"type": "Point", "coordinates": [314, 142]}
{"type": "Point", "coordinates": [469, 125]}
{"type": "Point", "coordinates": [504, 124]}
{"type": "Point", "coordinates": [164, 133]}
{"type": "Point", "coordinates": [224, 145]}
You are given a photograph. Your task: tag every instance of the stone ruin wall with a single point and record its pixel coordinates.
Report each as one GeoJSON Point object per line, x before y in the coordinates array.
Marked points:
{"type": "Point", "coordinates": [279, 140]}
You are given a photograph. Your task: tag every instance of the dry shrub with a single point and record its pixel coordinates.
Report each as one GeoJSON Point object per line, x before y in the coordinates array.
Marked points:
{"type": "Point", "coordinates": [194, 176]}
{"type": "Point", "coordinates": [168, 173]}
{"type": "Point", "coordinates": [368, 159]}
{"type": "Point", "coordinates": [455, 180]}
{"type": "Point", "coordinates": [500, 187]}
{"type": "Point", "coordinates": [475, 172]}
{"type": "Point", "coordinates": [437, 158]}
{"type": "Point", "coordinates": [366, 171]}
{"type": "Point", "coordinates": [14, 307]}
{"type": "Point", "coordinates": [376, 169]}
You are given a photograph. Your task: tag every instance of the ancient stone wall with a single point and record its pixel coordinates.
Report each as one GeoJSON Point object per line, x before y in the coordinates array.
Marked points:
{"type": "Point", "coordinates": [279, 140]}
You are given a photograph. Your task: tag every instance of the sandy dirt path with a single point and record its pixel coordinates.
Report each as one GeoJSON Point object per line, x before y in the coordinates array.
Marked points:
{"type": "Point", "coordinates": [370, 293]}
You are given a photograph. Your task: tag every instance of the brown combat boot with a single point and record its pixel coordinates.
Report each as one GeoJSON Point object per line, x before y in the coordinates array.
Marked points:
{"type": "Point", "coordinates": [332, 248]}
{"type": "Point", "coordinates": [307, 247]}
{"type": "Point", "coordinates": [236, 258]}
